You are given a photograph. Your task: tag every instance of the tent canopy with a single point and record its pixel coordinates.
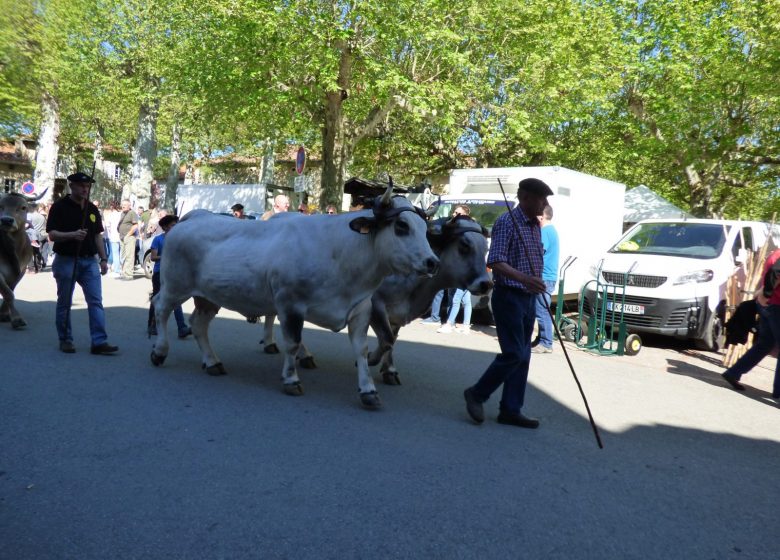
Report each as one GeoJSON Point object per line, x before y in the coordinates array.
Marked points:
{"type": "Point", "coordinates": [640, 203]}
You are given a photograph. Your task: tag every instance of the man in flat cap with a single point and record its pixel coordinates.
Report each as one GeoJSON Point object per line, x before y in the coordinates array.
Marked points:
{"type": "Point", "coordinates": [517, 262]}
{"type": "Point", "coordinates": [75, 227]}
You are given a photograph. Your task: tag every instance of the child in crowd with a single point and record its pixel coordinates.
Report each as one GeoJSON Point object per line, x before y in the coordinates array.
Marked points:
{"type": "Point", "coordinates": [166, 223]}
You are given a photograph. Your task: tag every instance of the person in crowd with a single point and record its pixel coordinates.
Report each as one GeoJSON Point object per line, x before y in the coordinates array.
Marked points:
{"type": "Point", "coordinates": [36, 232]}
{"type": "Point", "coordinates": [768, 306]}
{"type": "Point", "coordinates": [238, 211]}
{"type": "Point", "coordinates": [166, 223]}
{"type": "Point", "coordinates": [331, 210]}
{"type": "Point", "coordinates": [550, 276]}
{"type": "Point", "coordinates": [516, 257]}
{"type": "Point", "coordinates": [127, 228]}
{"type": "Point", "coordinates": [459, 296]}
{"type": "Point", "coordinates": [75, 227]}
{"type": "Point", "coordinates": [281, 204]}
{"type": "Point", "coordinates": [112, 218]}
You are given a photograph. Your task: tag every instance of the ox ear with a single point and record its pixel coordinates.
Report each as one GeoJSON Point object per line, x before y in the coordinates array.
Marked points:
{"type": "Point", "coordinates": [363, 225]}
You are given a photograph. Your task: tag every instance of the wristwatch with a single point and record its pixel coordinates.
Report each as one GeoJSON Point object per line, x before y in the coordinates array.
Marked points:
{"type": "Point", "coordinates": [104, 260]}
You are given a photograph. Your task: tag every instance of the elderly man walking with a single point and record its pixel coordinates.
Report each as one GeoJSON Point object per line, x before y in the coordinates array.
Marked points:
{"type": "Point", "coordinates": [516, 259]}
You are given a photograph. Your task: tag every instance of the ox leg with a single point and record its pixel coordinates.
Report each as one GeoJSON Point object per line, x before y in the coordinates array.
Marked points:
{"type": "Point", "coordinates": [163, 307]}
{"type": "Point", "coordinates": [358, 336]}
{"type": "Point", "coordinates": [8, 310]}
{"type": "Point", "coordinates": [268, 342]}
{"type": "Point", "coordinates": [387, 369]}
{"type": "Point", "coordinates": [204, 313]}
{"type": "Point", "coordinates": [292, 328]}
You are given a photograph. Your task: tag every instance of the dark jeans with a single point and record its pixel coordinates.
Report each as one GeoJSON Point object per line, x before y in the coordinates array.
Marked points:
{"type": "Point", "coordinates": [88, 277]}
{"type": "Point", "coordinates": [178, 314]}
{"type": "Point", "coordinates": [514, 313]}
{"type": "Point", "coordinates": [768, 337]}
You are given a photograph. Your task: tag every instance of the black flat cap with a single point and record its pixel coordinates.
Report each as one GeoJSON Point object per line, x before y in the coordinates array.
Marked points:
{"type": "Point", "coordinates": [535, 186]}
{"type": "Point", "coordinates": [80, 178]}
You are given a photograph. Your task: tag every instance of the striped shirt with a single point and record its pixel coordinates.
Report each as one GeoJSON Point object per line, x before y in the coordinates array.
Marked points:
{"type": "Point", "coordinates": [525, 256]}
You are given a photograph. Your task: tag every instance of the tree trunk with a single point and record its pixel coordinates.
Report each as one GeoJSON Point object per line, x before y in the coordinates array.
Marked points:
{"type": "Point", "coordinates": [48, 147]}
{"type": "Point", "coordinates": [333, 160]}
{"type": "Point", "coordinates": [701, 193]}
{"type": "Point", "coordinates": [97, 157]}
{"type": "Point", "coordinates": [172, 183]}
{"type": "Point", "coordinates": [145, 152]}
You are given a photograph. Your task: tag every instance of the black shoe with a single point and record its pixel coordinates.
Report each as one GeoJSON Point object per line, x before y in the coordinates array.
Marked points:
{"type": "Point", "coordinates": [473, 406]}
{"type": "Point", "coordinates": [517, 420]}
{"type": "Point", "coordinates": [733, 382]}
{"type": "Point", "coordinates": [776, 395]}
{"type": "Point", "coordinates": [67, 347]}
{"type": "Point", "coordinates": [104, 348]}
{"type": "Point", "coordinates": [184, 333]}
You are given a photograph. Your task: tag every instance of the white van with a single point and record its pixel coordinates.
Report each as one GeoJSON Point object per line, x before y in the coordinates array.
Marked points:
{"type": "Point", "coordinates": [677, 274]}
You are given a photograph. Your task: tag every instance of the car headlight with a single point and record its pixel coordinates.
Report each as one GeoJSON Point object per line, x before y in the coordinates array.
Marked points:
{"type": "Point", "coordinates": [696, 277]}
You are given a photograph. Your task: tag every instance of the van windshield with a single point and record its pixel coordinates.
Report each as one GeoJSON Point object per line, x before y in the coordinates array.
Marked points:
{"type": "Point", "coordinates": [678, 239]}
{"type": "Point", "coordinates": [485, 212]}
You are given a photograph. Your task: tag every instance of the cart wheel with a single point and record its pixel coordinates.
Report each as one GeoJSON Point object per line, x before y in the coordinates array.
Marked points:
{"type": "Point", "coordinates": [633, 345]}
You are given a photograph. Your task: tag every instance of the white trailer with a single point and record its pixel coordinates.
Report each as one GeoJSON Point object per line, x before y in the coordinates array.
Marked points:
{"type": "Point", "coordinates": [219, 198]}
{"type": "Point", "coordinates": [587, 210]}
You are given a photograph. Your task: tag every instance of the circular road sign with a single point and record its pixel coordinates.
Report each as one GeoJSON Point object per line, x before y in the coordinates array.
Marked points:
{"type": "Point", "coordinates": [300, 161]}
{"type": "Point", "coordinates": [28, 188]}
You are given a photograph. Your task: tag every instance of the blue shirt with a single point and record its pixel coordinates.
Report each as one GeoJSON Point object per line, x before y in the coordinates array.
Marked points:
{"type": "Point", "coordinates": [157, 244]}
{"type": "Point", "coordinates": [551, 253]}
{"type": "Point", "coordinates": [524, 254]}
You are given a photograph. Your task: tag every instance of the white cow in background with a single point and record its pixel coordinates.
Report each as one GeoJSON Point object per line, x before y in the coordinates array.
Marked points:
{"type": "Point", "coordinates": [322, 269]}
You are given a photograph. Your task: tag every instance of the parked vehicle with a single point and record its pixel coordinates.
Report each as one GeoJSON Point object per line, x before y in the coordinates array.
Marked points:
{"type": "Point", "coordinates": [677, 286]}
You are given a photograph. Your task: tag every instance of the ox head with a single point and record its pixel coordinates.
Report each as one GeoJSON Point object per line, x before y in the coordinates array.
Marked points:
{"type": "Point", "coordinates": [461, 244]}
{"type": "Point", "coordinates": [13, 211]}
{"type": "Point", "coordinates": [399, 232]}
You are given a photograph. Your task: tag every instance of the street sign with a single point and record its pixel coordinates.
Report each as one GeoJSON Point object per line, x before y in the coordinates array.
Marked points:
{"type": "Point", "coordinates": [300, 161]}
{"type": "Point", "coordinates": [28, 188]}
{"type": "Point", "coordinates": [300, 183]}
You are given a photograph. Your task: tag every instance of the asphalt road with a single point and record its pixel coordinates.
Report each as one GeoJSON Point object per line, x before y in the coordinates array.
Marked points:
{"type": "Point", "coordinates": [111, 457]}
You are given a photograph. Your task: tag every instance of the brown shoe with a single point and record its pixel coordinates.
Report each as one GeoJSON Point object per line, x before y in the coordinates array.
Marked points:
{"type": "Point", "coordinates": [473, 406]}
{"type": "Point", "coordinates": [104, 348]}
{"type": "Point", "coordinates": [517, 420]}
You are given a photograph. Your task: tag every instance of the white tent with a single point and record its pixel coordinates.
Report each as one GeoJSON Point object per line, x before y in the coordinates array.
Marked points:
{"type": "Point", "coordinates": [640, 203]}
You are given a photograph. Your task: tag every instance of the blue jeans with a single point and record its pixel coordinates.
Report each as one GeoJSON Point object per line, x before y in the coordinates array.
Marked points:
{"type": "Point", "coordinates": [178, 313]}
{"type": "Point", "coordinates": [436, 305]}
{"type": "Point", "coordinates": [114, 259]}
{"type": "Point", "coordinates": [88, 277]}
{"type": "Point", "coordinates": [768, 336]}
{"type": "Point", "coordinates": [513, 311]}
{"type": "Point", "coordinates": [465, 297]}
{"type": "Point", "coordinates": [543, 302]}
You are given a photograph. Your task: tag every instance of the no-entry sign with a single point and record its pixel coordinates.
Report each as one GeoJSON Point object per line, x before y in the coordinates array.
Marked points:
{"type": "Point", "coordinates": [300, 161]}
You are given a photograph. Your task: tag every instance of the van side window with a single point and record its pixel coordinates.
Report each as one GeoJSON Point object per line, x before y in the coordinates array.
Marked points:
{"type": "Point", "coordinates": [747, 238]}
{"type": "Point", "coordinates": [736, 247]}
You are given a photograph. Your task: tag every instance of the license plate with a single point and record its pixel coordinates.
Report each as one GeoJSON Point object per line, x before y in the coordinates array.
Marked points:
{"type": "Point", "coordinates": [629, 308]}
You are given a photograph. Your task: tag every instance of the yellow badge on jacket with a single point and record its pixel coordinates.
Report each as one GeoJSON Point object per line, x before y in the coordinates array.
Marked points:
{"type": "Point", "coordinates": [93, 218]}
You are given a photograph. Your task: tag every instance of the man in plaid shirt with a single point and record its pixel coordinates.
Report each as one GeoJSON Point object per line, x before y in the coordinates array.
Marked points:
{"type": "Point", "coordinates": [516, 257]}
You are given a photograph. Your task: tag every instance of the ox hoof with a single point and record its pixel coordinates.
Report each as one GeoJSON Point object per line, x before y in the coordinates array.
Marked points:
{"type": "Point", "coordinates": [271, 349]}
{"type": "Point", "coordinates": [307, 363]}
{"type": "Point", "coordinates": [370, 400]}
{"type": "Point", "coordinates": [216, 369]}
{"type": "Point", "coordinates": [391, 378]}
{"type": "Point", "coordinates": [293, 389]}
{"type": "Point", "coordinates": [157, 359]}
{"type": "Point", "coordinates": [18, 324]}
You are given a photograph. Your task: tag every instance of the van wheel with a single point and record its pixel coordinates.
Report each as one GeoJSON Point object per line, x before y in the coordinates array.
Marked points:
{"type": "Point", "coordinates": [148, 265]}
{"type": "Point", "coordinates": [713, 338]}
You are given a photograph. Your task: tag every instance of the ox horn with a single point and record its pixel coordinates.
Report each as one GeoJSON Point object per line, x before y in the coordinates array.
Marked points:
{"type": "Point", "coordinates": [385, 200]}
{"type": "Point", "coordinates": [36, 198]}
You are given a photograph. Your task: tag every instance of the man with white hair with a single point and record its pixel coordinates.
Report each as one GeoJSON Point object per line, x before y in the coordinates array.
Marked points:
{"type": "Point", "coordinates": [281, 204]}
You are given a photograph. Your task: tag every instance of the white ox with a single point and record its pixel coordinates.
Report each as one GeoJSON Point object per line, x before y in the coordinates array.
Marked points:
{"type": "Point", "coordinates": [322, 269]}
{"type": "Point", "coordinates": [461, 245]}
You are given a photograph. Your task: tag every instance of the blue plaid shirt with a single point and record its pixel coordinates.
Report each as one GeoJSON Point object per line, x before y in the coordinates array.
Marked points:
{"type": "Point", "coordinates": [506, 247]}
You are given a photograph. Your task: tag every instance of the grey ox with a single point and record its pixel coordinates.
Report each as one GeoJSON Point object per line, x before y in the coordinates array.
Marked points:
{"type": "Point", "coordinates": [15, 252]}
{"type": "Point", "coordinates": [461, 245]}
{"type": "Point", "coordinates": [321, 269]}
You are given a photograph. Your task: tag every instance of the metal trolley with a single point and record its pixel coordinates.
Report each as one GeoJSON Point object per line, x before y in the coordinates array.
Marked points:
{"type": "Point", "coordinates": [606, 332]}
